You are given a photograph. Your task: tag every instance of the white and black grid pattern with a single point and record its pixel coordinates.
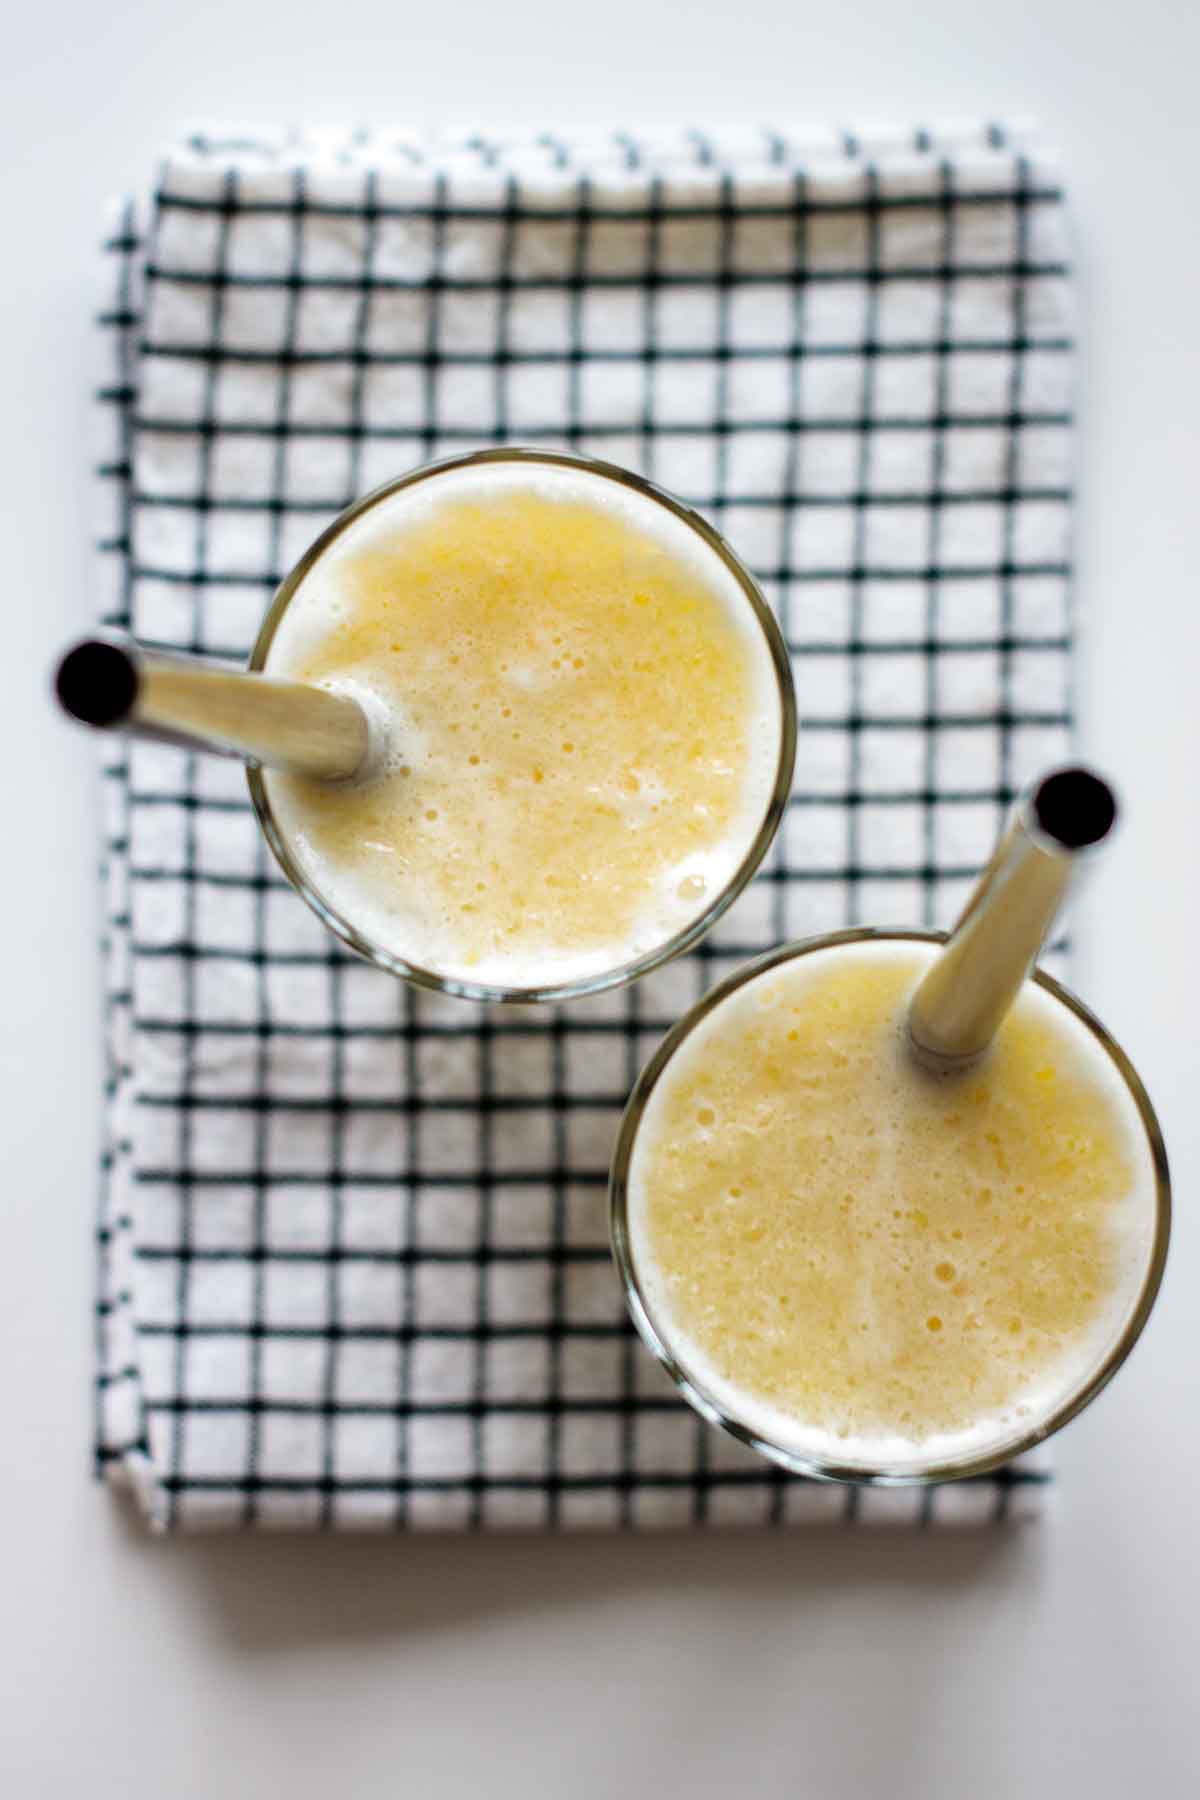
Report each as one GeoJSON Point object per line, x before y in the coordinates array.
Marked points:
{"type": "Point", "coordinates": [353, 1255]}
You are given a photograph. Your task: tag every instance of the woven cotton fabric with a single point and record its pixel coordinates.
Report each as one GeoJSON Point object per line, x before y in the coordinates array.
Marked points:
{"type": "Point", "coordinates": [353, 1255]}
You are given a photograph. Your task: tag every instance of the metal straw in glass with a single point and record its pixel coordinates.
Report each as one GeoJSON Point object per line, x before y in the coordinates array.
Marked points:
{"type": "Point", "coordinates": [960, 1004]}
{"type": "Point", "coordinates": [205, 705]}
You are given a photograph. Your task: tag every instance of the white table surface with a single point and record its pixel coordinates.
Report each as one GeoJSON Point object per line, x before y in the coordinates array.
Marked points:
{"type": "Point", "coordinates": [1060, 1659]}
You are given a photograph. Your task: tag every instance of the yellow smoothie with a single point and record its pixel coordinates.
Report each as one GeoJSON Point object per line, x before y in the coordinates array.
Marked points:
{"type": "Point", "coordinates": [871, 1265]}
{"type": "Point", "coordinates": [581, 717]}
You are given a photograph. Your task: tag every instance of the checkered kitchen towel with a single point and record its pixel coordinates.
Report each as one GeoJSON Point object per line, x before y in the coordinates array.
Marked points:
{"type": "Point", "coordinates": [353, 1245]}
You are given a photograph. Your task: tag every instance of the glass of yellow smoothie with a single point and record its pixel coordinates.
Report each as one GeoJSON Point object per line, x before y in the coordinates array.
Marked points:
{"type": "Point", "coordinates": [868, 1271]}
{"type": "Point", "coordinates": [582, 718]}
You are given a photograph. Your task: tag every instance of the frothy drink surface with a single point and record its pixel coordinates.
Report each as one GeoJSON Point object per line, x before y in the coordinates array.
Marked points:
{"type": "Point", "coordinates": [583, 715]}
{"type": "Point", "coordinates": [867, 1263]}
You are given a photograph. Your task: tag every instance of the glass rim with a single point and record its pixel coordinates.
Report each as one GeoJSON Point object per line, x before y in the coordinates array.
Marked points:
{"type": "Point", "coordinates": [821, 1468]}
{"type": "Point", "coordinates": [622, 974]}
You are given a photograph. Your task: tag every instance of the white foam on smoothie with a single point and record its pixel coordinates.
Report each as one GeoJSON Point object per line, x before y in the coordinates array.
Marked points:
{"type": "Point", "coordinates": [414, 929]}
{"type": "Point", "coordinates": [1131, 1222]}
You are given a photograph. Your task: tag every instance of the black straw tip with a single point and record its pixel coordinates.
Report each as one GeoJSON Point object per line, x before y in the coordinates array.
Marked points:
{"type": "Point", "coordinates": [1075, 807]}
{"type": "Point", "coordinates": [97, 682]}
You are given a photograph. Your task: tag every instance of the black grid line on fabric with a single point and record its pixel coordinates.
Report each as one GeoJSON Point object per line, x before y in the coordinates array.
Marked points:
{"type": "Point", "coordinates": [1016, 384]}
{"type": "Point", "coordinates": [119, 326]}
{"type": "Point", "coordinates": [330, 1405]}
{"type": "Point", "coordinates": [1019, 348]}
{"type": "Point", "coordinates": [337, 1070]}
{"type": "Point", "coordinates": [118, 323]}
{"type": "Point", "coordinates": [466, 1334]}
{"type": "Point", "coordinates": [792, 495]}
{"type": "Point", "coordinates": [1003, 271]}
{"type": "Point", "coordinates": [792, 471]}
{"type": "Point", "coordinates": [486, 1255]}
{"type": "Point", "coordinates": [330, 1402]}
{"type": "Point", "coordinates": [178, 1443]}
{"type": "Point", "coordinates": [458, 211]}
{"type": "Point", "coordinates": [576, 1484]}
{"type": "Point", "coordinates": [580, 226]}
{"type": "Point", "coordinates": [333, 1255]}
{"type": "Point", "coordinates": [243, 1406]}
{"type": "Point", "coordinates": [854, 795]}
{"type": "Point", "coordinates": [642, 431]}
{"type": "Point", "coordinates": [182, 350]}
{"type": "Point", "coordinates": [261, 1185]}
{"type": "Point", "coordinates": [434, 288]}
{"type": "Point", "coordinates": [652, 1480]}
{"type": "Point", "coordinates": [854, 721]}
{"type": "Point", "coordinates": [727, 220]}
{"type": "Point", "coordinates": [937, 478]}
{"type": "Point", "coordinates": [1010, 495]}
{"type": "Point", "coordinates": [726, 1479]}
{"type": "Point", "coordinates": [633, 1021]}
{"type": "Point", "coordinates": [600, 1099]}
{"type": "Point", "coordinates": [403, 1342]}
{"type": "Point", "coordinates": [647, 346]}
{"type": "Point", "coordinates": [630, 1347]}
{"type": "Point", "coordinates": [556, 1329]}
{"type": "Point", "coordinates": [597, 428]}
{"type": "Point", "coordinates": [415, 1409]}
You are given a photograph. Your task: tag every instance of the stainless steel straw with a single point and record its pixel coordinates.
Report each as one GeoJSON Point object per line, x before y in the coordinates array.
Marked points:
{"type": "Point", "coordinates": [205, 705]}
{"type": "Point", "coordinates": [958, 1008]}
